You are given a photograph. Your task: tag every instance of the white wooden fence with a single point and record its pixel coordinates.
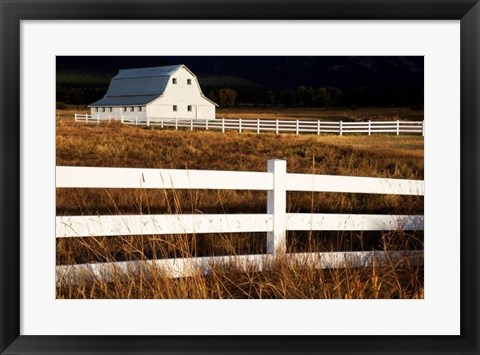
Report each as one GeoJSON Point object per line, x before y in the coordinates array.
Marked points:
{"type": "Point", "coordinates": [277, 126]}
{"type": "Point", "coordinates": [275, 222]}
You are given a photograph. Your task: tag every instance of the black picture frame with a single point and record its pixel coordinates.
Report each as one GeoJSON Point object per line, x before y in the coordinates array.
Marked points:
{"type": "Point", "coordinates": [13, 12]}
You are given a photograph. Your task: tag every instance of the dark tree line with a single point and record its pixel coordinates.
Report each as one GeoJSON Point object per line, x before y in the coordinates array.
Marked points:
{"type": "Point", "coordinates": [84, 92]}
{"type": "Point", "coordinates": [301, 97]}
{"type": "Point", "coordinates": [308, 96]}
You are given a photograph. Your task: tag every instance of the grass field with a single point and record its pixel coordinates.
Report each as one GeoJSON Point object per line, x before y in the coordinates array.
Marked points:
{"type": "Point", "coordinates": [117, 145]}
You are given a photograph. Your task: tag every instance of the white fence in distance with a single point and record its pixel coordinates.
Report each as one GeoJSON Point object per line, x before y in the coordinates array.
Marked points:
{"type": "Point", "coordinates": [269, 125]}
{"type": "Point", "coordinates": [275, 222]}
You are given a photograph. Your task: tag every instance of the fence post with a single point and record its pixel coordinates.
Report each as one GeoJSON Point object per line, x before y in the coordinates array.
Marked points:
{"type": "Point", "coordinates": [398, 127]}
{"type": "Point", "coordinates": [277, 206]}
{"type": "Point", "coordinates": [176, 124]}
{"type": "Point", "coordinates": [296, 130]}
{"type": "Point", "coordinates": [121, 117]}
{"type": "Point", "coordinates": [258, 125]}
{"type": "Point", "coordinates": [206, 124]}
{"type": "Point", "coordinates": [276, 126]}
{"type": "Point", "coordinates": [423, 128]}
{"type": "Point", "coordinates": [191, 123]}
{"type": "Point", "coordinates": [240, 125]}
{"type": "Point", "coordinates": [223, 124]}
{"type": "Point", "coordinates": [98, 119]}
{"type": "Point", "coordinates": [109, 118]}
{"type": "Point", "coordinates": [86, 119]}
{"type": "Point", "coordinates": [161, 122]}
{"type": "Point", "coordinates": [341, 133]}
{"type": "Point", "coordinates": [75, 117]}
{"type": "Point", "coordinates": [369, 128]}
{"type": "Point", "coordinates": [136, 120]}
{"type": "Point", "coordinates": [148, 121]}
{"type": "Point", "coordinates": [318, 127]}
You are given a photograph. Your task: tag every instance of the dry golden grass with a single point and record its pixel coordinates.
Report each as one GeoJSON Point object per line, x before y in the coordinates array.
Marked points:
{"type": "Point", "coordinates": [281, 280]}
{"type": "Point", "coordinates": [116, 145]}
{"type": "Point", "coordinates": [121, 145]}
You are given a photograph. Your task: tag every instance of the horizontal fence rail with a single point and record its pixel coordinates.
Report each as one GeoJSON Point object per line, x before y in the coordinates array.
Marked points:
{"type": "Point", "coordinates": [275, 222]}
{"type": "Point", "coordinates": [69, 176]}
{"type": "Point", "coordinates": [353, 184]}
{"type": "Point", "coordinates": [92, 177]}
{"type": "Point", "coordinates": [79, 226]}
{"type": "Point", "coordinates": [267, 125]}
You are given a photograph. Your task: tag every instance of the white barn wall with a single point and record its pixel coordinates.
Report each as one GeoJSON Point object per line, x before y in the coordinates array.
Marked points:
{"type": "Point", "coordinates": [103, 115]}
{"type": "Point", "coordinates": [161, 108]}
{"type": "Point", "coordinates": [206, 112]}
{"type": "Point", "coordinates": [129, 114]}
{"type": "Point", "coordinates": [182, 95]}
{"type": "Point", "coordinates": [117, 113]}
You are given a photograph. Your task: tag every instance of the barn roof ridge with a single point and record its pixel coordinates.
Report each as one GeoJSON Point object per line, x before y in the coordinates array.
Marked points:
{"type": "Point", "coordinates": [143, 77]}
{"type": "Point", "coordinates": [154, 67]}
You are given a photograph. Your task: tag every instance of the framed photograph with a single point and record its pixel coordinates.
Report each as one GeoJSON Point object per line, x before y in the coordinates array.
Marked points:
{"type": "Point", "coordinates": [238, 177]}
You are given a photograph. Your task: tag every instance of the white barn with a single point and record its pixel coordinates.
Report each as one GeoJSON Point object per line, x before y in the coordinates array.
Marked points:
{"type": "Point", "coordinates": [171, 92]}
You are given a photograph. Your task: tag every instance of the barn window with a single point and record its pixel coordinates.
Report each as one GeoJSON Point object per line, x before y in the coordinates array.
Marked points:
{"type": "Point", "coordinates": [189, 108]}
{"type": "Point", "coordinates": [174, 107]}
{"type": "Point", "coordinates": [103, 109]}
{"type": "Point", "coordinates": [189, 81]}
{"type": "Point", "coordinates": [110, 109]}
{"type": "Point", "coordinates": [131, 109]}
{"type": "Point", "coordinates": [174, 80]}
{"type": "Point", "coordinates": [140, 109]}
{"type": "Point", "coordinates": [124, 109]}
{"type": "Point", "coordinates": [96, 109]}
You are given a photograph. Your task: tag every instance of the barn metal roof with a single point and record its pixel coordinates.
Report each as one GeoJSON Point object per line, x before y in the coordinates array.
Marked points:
{"type": "Point", "coordinates": [137, 86]}
{"type": "Point", "coordinates": [165, 70]}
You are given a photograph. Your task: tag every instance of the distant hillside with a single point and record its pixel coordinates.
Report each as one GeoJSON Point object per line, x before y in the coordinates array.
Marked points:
{"type": "Point", "coordinates": [227, 81]}
{"type": "Point", "coordinates": [81, 87]}
{"type": "Point", "coordinates": [278, 80]}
